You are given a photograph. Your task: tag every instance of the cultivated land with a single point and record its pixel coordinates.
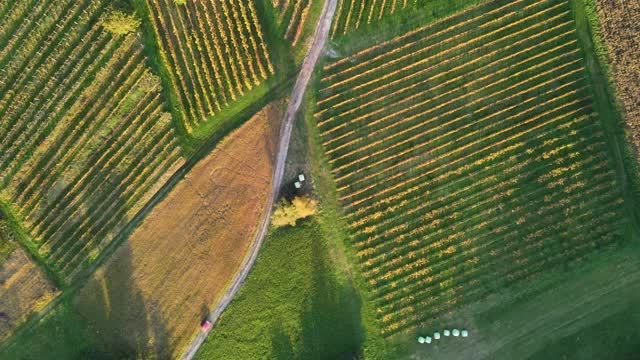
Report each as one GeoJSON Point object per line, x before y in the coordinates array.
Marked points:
{"type": "Point", "coordinates": [215, 52]}
{"type": "Point", "coordinates": [152, 294]}
{"type": "Point", "coordinates": [470, 156]}
{"type": "Point", "coordinates": [620, 29]}
{"type": "Point", "coordinates": [84, 142]}
{"type": "Point", "coordinates": [291, 306]}
{"type": "Point", "coordinates": [293, 15]}
{"type": "Point", "coordinates": [573, 314]}
{"type": "Point", "coordinates": [354, 13]}
{"type": "Point", "coordinates": [23, 286]}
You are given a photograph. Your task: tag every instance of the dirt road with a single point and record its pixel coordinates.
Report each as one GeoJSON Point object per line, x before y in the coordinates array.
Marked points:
{"type": "Point", "coordinates": [297, 95]}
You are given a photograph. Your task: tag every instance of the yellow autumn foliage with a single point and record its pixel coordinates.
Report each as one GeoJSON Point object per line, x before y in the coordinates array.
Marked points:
{"type": "Point", "coordinates": [288, 213]}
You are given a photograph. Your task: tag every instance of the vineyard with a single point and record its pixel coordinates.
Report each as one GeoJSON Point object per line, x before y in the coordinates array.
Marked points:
{"type": "Point", "coordinates": [84, 142]}
{"type": "Point", "coordinates": [215, 52]}
{"type": "Point", "coordinates": [468, 156]}
{"type": "Point", "coordinates": [294, 14]}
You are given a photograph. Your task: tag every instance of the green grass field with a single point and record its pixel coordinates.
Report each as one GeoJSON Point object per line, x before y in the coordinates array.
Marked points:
{"type": "Point", "coordinates": [291, 307]}
{"type": "Point", "coordinates": [615, 337]}
{"type": "Point", "coordinates": [85, 141]}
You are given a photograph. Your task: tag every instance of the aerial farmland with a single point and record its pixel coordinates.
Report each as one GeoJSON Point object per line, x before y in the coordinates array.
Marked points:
{"type": "Point", "coordinates": [319, 179]}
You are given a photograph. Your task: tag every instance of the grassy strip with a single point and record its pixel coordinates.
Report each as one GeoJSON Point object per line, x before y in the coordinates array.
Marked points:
{"type": "Point", "coordinates": [626, 165]}
{"type": "Point", "coordinates": [402, 21]}
{"type": "Point", "coordinates": [24, 240]}
{"type": "Point", "coordinates": [336, 228]}
{"type": "Point", "coordinates": [615, 337]}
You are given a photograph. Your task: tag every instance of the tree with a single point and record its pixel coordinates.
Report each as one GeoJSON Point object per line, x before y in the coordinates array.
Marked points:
{"type": "Point", "coordinates": [120, 23]}
{"type": "Point", "coordinates": [288, 213]}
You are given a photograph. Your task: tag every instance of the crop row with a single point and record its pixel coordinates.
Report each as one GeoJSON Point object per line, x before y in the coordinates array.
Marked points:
{"type": "Point", "coordinates": [505, 47]}
{"type": "Point", "coordinates": [351, 14]}
{"type": "Point", "coordinates": [215, 51]}
{"type": "Point", "coordinates": [495, 177]}
{"type": "Point", "coordinates": [292, 16]}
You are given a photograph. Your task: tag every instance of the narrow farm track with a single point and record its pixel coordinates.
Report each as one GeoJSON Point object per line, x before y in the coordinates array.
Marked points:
{"type": "Point", "coordinates": [308, 65]}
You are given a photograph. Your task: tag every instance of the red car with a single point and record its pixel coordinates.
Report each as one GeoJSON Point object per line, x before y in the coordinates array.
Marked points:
{"type": "Point", "coordinates": [206, 325]}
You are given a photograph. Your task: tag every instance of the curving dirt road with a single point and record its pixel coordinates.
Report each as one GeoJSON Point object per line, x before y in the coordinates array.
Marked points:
{"type": "Point", "coordinates": [297, 95]}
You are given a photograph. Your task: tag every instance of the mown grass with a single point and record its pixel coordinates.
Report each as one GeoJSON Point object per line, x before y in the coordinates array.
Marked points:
{"type": "Point", "coordinates": [403, 20]}
{"type": "Point", "coordinates": [616, 337]}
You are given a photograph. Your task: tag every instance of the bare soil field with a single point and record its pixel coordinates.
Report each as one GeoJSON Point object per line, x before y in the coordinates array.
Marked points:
{"type": "Point", "coordinates": [24, 288]}
{"type": "Point", "coordinates": [620, 23]}
{"type": "Point", "coordinates": [151, 296]}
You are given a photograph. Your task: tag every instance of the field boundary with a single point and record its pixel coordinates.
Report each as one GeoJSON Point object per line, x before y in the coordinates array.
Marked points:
{"type": "Point", "coordinates": [611, 118]}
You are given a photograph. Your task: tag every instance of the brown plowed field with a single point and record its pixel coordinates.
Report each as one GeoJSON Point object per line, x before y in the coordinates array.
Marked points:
{"type": "Point", "coordinates": [151, 296]}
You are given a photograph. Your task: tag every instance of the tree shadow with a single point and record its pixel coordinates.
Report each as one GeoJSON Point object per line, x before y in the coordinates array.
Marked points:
{"type": "Point", "coordinates": [331, 319]}
{"type": "Point", "coordinates": [117, 309]}
{"type": "Point", "coordinates": [127, 323]}
{"type": "Point", "coordinates": [281, 345]}
{"type": "Point", "coordinates": [108, 318]}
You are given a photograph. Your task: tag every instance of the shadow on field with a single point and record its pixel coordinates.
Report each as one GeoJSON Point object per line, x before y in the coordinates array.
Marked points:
{"type": "Point", "coordinates": [117, 309]}
{"type": "Point", "coordinates": [331, 322]}
{"type": "Point", "coordinates": [114, 305]}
